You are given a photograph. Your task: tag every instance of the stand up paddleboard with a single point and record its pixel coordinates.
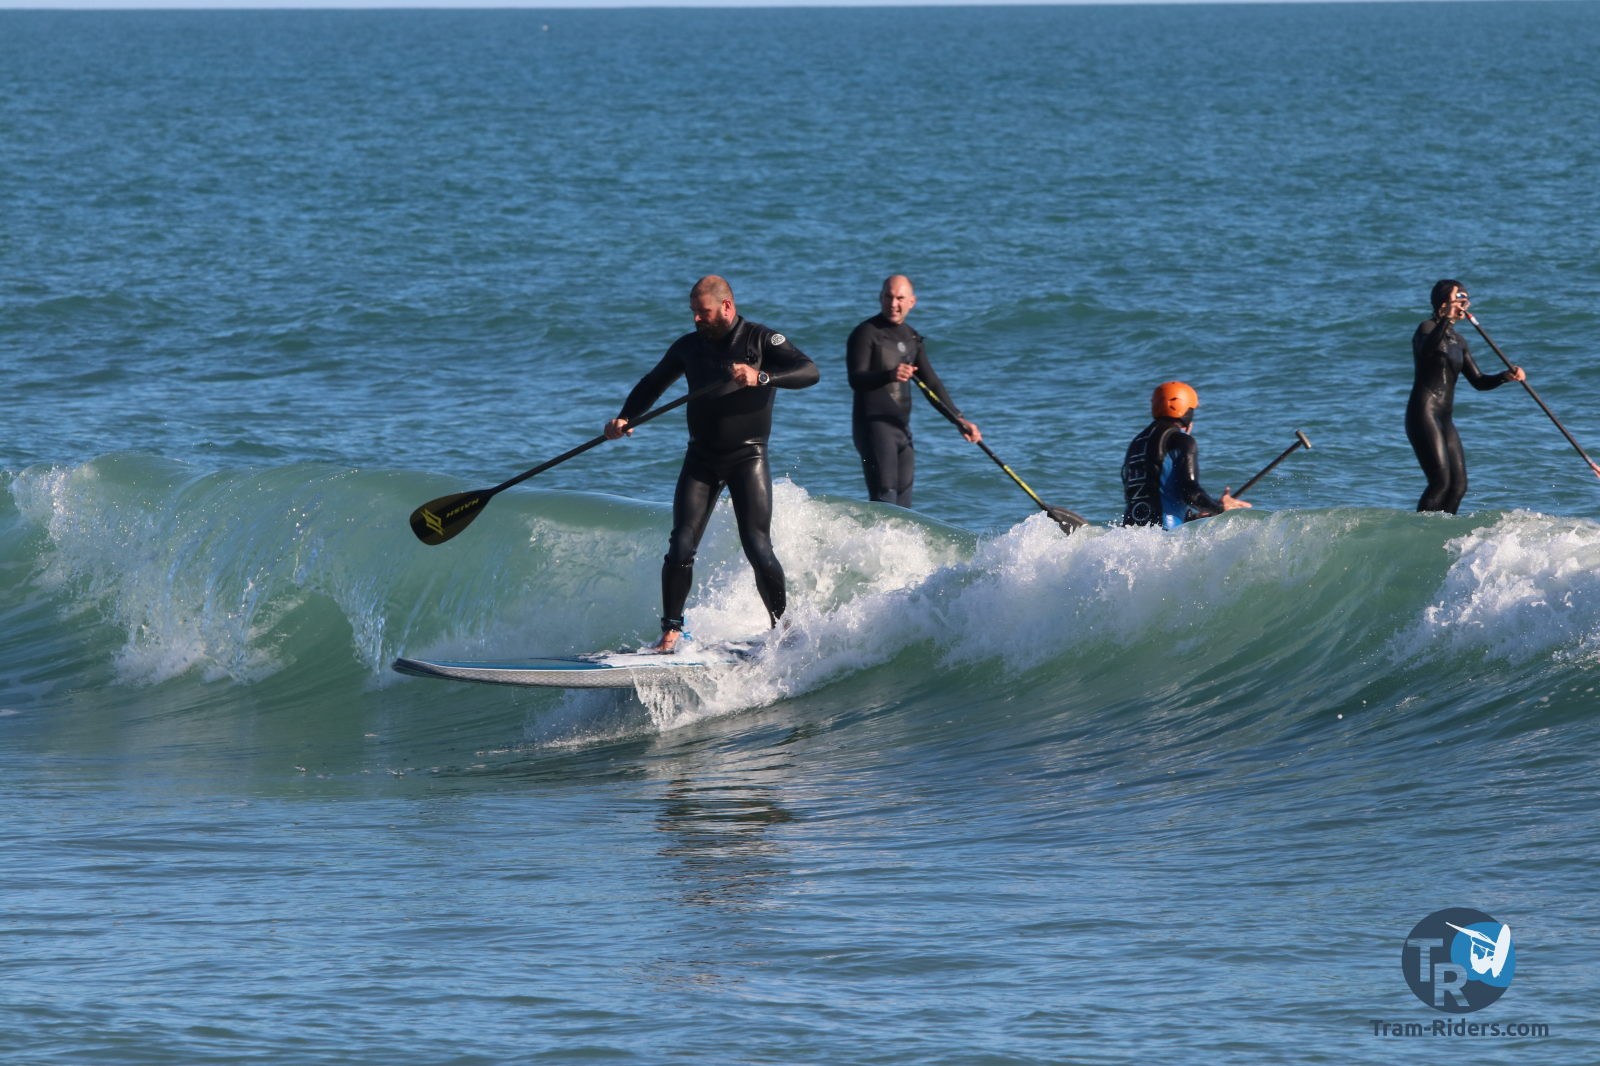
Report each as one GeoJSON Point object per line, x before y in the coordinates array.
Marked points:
{"type": "Point", "coordinates": [598, 670]}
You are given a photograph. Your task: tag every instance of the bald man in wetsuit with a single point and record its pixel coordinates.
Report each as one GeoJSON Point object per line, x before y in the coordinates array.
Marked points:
{"type": "Point", "coordinates": [728, 432]}
{"type": "Point", "coordinates": [881, 356]}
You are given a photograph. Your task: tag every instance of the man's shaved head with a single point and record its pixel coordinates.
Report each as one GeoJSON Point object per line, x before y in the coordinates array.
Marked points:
{"type": "Point", "coordinates": [713, 286]}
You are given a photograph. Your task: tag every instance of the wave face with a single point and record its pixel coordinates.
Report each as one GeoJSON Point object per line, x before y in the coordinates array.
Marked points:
{"type": "Point", "coordinates": [299, 584]}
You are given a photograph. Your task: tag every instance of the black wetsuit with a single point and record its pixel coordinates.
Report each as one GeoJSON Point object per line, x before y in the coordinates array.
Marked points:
{"type": "Point", "coordinates": [881, 411]}
{"type": "Point", "coordinates": [1161, 478]}
{"type": "Point", "coordinates": [727, 447]}
{"type": "Point", "coordinates": [1441, 356]}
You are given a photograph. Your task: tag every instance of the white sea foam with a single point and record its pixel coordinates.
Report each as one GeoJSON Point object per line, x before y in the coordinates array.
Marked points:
{"type": "Point", "coordinates": [1525, 586]}
{"type": "Point", "coordinates": [868, 591]}
{"type": "Point", "coordinates": [855, 574]}
{"type": "Point", "coordinates": [1032, 596]}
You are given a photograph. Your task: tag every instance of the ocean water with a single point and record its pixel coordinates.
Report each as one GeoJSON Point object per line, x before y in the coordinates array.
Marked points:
{"type": "Point", "coordinates": [273, 279]}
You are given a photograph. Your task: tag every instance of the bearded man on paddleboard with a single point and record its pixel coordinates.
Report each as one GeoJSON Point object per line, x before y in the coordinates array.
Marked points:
{"type": "Point", "coordinates": [728, 431]}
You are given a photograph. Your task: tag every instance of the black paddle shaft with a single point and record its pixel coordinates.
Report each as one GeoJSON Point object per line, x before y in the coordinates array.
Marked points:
{"type": "Point", "coordinates": [438, 520]}
{"type": "Point", "coordinates": [1550, 414]}
{"type": "Point", "coordinates": [1300, 441]}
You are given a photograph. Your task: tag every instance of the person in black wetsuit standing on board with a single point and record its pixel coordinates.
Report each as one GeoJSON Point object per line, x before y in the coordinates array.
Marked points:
{"type": "Point", "coordinates": [1441, 356]}
{"type": "Point", "coordinates": [728, 433]}
{"type": "Point", "coordinates": [881, 355]}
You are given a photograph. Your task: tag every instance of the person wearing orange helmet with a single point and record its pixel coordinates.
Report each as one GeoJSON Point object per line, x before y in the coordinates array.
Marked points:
{"type": "Point", "coordinates": [1161, 470]}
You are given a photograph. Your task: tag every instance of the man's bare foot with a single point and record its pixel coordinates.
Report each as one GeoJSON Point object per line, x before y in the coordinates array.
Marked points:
{"type": "Point", "coordinates": [668, 642]}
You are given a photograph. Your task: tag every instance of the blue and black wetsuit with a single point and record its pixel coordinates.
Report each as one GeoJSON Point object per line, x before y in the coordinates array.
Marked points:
{"type": "Point", "coordinates": [1441, 356]}
{"type": "Point", "coordinates": [728, 434]}
{"type": "Point", "coordinates": [880, 415]}
{"type": "Point", "coordinates": [1161, 478]}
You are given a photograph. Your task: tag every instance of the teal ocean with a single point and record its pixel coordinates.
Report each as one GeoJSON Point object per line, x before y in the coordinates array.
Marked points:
{"type": "Point", "coordinates": [273, 279]}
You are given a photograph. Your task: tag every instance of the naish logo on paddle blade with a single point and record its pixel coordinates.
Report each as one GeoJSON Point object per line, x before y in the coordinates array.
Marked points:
{"type": "Point", "coordinates": [433, 521]}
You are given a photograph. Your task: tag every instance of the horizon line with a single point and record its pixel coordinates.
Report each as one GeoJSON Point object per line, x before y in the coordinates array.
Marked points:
{"type": "Point", "coordinates": [622, 5]}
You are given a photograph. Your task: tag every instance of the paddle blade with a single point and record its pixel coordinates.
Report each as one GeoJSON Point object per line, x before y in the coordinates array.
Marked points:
{"type": "Point", "coordinates": [1067, 520]}
{"type": "Point", "coordinates": [438, 520]}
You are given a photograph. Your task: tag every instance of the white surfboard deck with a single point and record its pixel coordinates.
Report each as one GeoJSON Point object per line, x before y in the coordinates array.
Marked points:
{"type": "Point", "coordinates": [596, 670]}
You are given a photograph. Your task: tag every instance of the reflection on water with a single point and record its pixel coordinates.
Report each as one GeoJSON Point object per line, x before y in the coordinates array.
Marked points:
{"type": "Point", "coordinates": [718, 838]}
{"type": "Point", "coordinates": [725, 865]}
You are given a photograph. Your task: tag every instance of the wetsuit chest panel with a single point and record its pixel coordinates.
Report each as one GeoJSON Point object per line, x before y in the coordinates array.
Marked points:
{"type": "Point", "coordinates": [873, 352]}
{"type": "Point", "coordinates": [1440, 355]}
{"type": "Point", "coordinates": [742, 416]}
{"type": "Point", "coordinates": [1160, 478]}
{"type": "Point", "coordinates": [1174, 510]}
{"type": "Point", "coordinates": [1145, 467]}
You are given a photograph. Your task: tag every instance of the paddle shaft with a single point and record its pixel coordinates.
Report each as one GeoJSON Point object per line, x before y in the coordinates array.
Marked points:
{"type": "Point", "coordinates": [1510, 366]}
{"type": "Point", "coordinates": [1012, 474]}
{"type": "Point", "coordinates": [1300, 441]}
{"type": "Point", "coordinates": [703, 390]}
{"type": "Point", "coordinates": [438, 520]}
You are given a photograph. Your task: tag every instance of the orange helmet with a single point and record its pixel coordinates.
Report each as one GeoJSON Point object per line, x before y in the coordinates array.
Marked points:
{"type": "Point", "coordinates": [1174, 399]}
